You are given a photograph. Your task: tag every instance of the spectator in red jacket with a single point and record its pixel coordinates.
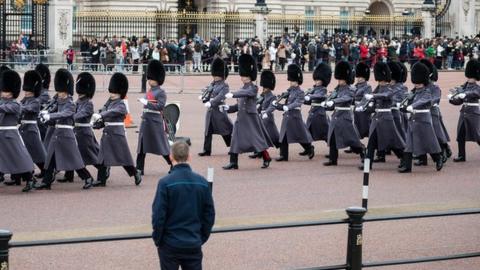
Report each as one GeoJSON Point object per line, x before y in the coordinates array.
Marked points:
{"type": "Point", "coordinates": [69, 55]}
{"type": "Point", "coordinates": [363, 51]}
{"type": "Point", "coordinates": [419, 52]}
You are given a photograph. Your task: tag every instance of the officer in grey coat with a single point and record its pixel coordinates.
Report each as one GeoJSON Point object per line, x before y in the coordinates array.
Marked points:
{"type": "Point", "coordinates": [468, 96]}
{"type": "Point", "coordinates": [293, 129]}
{"type": "Point", "coordinates": [398, 96]}
{"type": "Point", "coordinates": [247, 135]}
{"type": "Point", "coordinates": [14, 156]}
{"type": "Point", "coordinates": [437, 120]}
{"type": "Point", "coordinates": [421, 137]}
{"type": "Point", "coordinates": [383, 133]}
{"type": "Point", "coordinates": [62, 151]}
{"type": "Point", "coordinates": [362, 118]}
{"type": "Point", "coordinates": [152, 137]}
{"type": "Point", "coordinates": [114, 150]}
{"type": "Point", "coordinates": [216, 121]}
{"type": "Point", "coordinates": [87, 143]}
{"type": "Point", "coordinates": [32, 85]}
{"type": "Point", "coordinates": [44, 97]}
{"type": "Point", "coordinates": [318, 120]}
{"type": "Point", "coordinates": [342, 132]}
{"type": "Point", "coordinates": [268, 81]}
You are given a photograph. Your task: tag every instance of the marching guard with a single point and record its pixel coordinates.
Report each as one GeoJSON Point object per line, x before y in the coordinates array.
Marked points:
{"type": "Point", "coordinates": [216, 121]}
{"type": "Point", "coordinates": [114, 150]}
{"type": "Point", "coordinates": [440, 131]}
{"type": "Point", "coordinates": [341, 132]}
{"type": "Point", "coordinates": [14, 156]}
{"type": "Point", "coordinates": [318, 121]}
{"type": "Point", "coordinates": [468, 96]}
{"type": "Point", "coordinates": [86, 141]}
{"type": "Point", "coordinates": [398, 96]}
{"type": "Point", "coordinates": [268, 81]}
{"type": "Point", "coordinates": [247, 135]}
{"type": "Point", "coordinates": [362, 119]}
{"type": "Point", "coordinates": [152, 137]}
{"type": "Point", "coordinates": [32, 86]}
{"type": "Point", "coordinates": [421, 137]}
{"type": "Point", "coordinates": [62, 152]}
{"type": "Point", "coordinates": [383, 134]}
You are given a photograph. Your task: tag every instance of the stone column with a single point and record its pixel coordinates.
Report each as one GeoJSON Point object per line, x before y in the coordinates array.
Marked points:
{"type": "Point", "coordinates": [60, 20]}
{"type": "Point", "coordinates": [261, 23]}
{"type": "Point", "coordinates": [428, 9]}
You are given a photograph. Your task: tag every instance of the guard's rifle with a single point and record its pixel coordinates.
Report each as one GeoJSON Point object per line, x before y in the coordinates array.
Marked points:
{"type": "Point", "coordinates": [281, 100]}
{"type": "Point", "coordinates": [207, 93]}
{"type": "Point", "coordinates": [99, 124]}
{"type": "Point", "coordinates": [454, 94]}
{"type": "Point", "coordinates": [407, 101]}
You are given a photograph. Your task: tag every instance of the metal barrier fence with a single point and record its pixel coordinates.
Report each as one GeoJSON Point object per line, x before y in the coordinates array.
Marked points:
{"type": "Point", "coordinates": [354, 256]}
{"type": "Point", "coordinates": [231, 25]}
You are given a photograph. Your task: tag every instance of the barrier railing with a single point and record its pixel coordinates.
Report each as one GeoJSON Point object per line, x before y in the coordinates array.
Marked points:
{"type": "Point", "coordinates": [355, 221]}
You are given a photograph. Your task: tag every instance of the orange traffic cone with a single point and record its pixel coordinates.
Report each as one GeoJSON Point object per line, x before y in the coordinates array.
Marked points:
{"type": "Point", "coordinates": [128, 118]}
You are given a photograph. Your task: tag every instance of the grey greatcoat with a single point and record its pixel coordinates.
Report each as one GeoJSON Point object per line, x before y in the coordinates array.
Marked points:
{"type": "Point", "coordinates": [247, 135]}
{"type": "Point", "coordinates": [470, 115]}
{"type": "Point", "coordinates": [398, 96]}
{"type": "Point", "coordinates": [14, 156]}
{"type": "Point", "coordinates": [404, 114]}
{"type": "Point", "coordinates": [318, 121]}
{"type": "Point", "coordinates": [114, 149]}
{"type": "Point", "coordinates": [269, 122]}
{"type": "Point", "coordinates": [383, 123]}
{"type": "Point", "coordinates": [152, 137]}
{"type": "Point", "coordinates": [219, 121]}
{"type": "Point", "coordinates": [362, 119]}
{"type": "Point", "coordinates": [29, 129]}
{"type": "Point", "coordinates": [437, 120]}
{"type": "Point", "coordinates": [43, 99]}
{"type": "Point", "coordinates": [87, 143]}
{"type": "Point", "coordinates": [421, 137]}
{"type": "Point", "coordinates": [63, 143]}
{"type": "Point", "coordinates": [341, 123]}
{"type": "Point", "coordinates": [293, 126]}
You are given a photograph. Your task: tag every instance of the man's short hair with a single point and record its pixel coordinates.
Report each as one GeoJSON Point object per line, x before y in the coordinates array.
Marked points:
{"type": "Point", "coordinates": [180, 151]}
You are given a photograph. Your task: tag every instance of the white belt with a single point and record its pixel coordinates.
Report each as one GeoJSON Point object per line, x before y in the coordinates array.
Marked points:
{"type": "Point", "coordinates": [383, 110]}
{"type": "Point", "coordinates": [421, 111]}
{"type": "Point", "coordinates": [29, 122]}
{"type": "Point", "coordinates": [150, 111]}
{"type": "Point", "coordinates": [358, 102]}
{"type": "Point", "coordinates": [436, 105]}
{"type": "Point", "coordinates": [83, 125]}
{"type": "Point", "coordinates": [395, 108]}
{"type": "Point", "coordinates": [64, 126]}
{"type": "Point", "coordinates": [114, 124]}
{"type": "Point", "coordinates": [342, 108]}
{"type": "Point", "coordinates": [472, 104]}
{"type": "Point", "coordinates": [316, 105]}
{"type": "Point", "coordinates": [9, 128]}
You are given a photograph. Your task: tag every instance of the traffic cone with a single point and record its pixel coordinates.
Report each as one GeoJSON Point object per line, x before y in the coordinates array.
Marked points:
{"type": "Point", "coordinates": [128, 118]}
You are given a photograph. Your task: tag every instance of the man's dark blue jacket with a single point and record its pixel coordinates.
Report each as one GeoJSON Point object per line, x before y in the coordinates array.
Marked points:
{"type": "Point", "coordinates": [182, 212]}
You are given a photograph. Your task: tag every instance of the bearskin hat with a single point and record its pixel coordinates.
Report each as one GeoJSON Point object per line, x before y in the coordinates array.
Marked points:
{"type": "Point", "coordinates": [267, 79]}
{"type": "Point", "coordinates": [420, 74]}
{"type": "Point", "coordinates": [219, 68]}
{"type": "Point", "coordinates": [156, 71]}
{"type": "Point", "coordinates": [323, 72]}
{"type": "Point", "coordinates": [45, 73]}
{"type": "Point", "coordinates": [118, 84]}
{"type": "Point", "coordinates": [11, 82]}
{"type": "Point", "coordinates": [85, 84]}
{"type": "Point", "coordinates": [32, 82]}
{"type": "Point", "coordinates": [404, 72]}
{"type": "Point", "coordinates": [294, 74]}
{"type": "Point", "coordinates": [247, 66]}
{"type": "Point", "coordinates": [396, 71]}
{"type": "Point", "coordinates": [382, 72]}
{"type": "Point", "coordinates": [63, 81]}
{"type": "Point", "coordinates": [343, 71]}
{"type": "Point", "coordinates": [472, 71]}
{"type": "Point", "coordinates": [432, 69]}
{"type": "Point", "coordinates": [362, 70]}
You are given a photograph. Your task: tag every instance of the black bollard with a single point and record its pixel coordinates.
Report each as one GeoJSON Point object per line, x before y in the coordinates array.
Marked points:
{"type": "Point", "coordinates": [5, 237]}
{"type": "Point", "coordinates": [355, 237]}
{"type": "Point", "coordinates": [210, 178]}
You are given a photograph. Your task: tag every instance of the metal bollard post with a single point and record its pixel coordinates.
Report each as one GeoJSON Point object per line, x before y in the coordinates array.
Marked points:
{"type": "Point", "coordinates": [355, 237]}
{"type": "Point", "coordinates": [366, 176]}
{"type": "Point", "coordinates": [5, 237]}
{"type": "Point", "coordinates": [210, 178]}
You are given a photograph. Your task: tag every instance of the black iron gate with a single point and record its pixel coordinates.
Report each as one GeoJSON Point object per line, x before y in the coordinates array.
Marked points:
{"type": "Point", "coordinates": [27, 18]}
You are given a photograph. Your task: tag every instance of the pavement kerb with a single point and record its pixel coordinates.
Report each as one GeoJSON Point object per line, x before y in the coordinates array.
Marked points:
{"type": "Point", "coordinates": [248, 221]}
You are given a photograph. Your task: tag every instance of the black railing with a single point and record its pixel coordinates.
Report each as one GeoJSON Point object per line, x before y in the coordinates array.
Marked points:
{"type": "Point", "coordinates": [355, 222]}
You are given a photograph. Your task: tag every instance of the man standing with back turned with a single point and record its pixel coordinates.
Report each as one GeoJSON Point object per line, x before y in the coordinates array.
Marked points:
{"type": "Point", "coordinates": [182, 214]}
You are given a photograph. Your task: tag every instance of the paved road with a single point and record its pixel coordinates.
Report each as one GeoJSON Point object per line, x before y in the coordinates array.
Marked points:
{"type": "Point", "coordinates": [297, 190]}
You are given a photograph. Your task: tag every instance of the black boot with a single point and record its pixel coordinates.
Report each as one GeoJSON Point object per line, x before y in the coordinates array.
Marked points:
{"type": "Point", "coordinates": [138, 177]}
{"type": "Point", "coordinates": [448, 151]}
{"type": "Point", "coordinates": [330, 163]}
{"type": "Point", "coordinates": [379, 159]}
{"type": "Point", "coordinates": [439, 164]}
{"type": "Point", "coordinates": [459, 159]}
{"type": "Point", "coordinates": [204, 154]}
{"type": "Point", "coordinates": [311, 152]}
{"type": "Point", "coordinates": [421, 161]}
{"type": "Point", "coordinates": [407, 163]}
{"type": "Point", "coordinates": [255, 155]}
{"type": "Point", "coordinates": [233, 165]}
{"type": "Point", "coordinates": [280, 159]}
{"type": "Point", "coordinates": [304, 153]}
{"type": "Point", "coordinates": [266, 159]}
{"type": "Point", "coordinates": [43, 185]}
{"type": "Point", "coordinates": [68, 177]}
{"type": "Point", "coordinates": [88, 183]}
{"type": "Point", "coordinates": [29, 186]}
{"type": "Point", "coordinates": [14, 181]}
{"type": "Point", "coordinates": [348, 151]}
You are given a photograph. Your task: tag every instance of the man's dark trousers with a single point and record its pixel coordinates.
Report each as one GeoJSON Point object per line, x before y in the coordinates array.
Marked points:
{"type": "Point", "coordinates": [173, 258]}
